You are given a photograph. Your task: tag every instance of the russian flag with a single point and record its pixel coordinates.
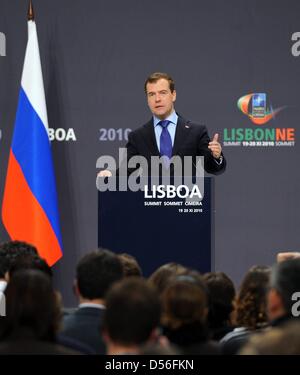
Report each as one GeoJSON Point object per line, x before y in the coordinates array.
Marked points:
{"type": "Point", "coordinates": [29, 209]}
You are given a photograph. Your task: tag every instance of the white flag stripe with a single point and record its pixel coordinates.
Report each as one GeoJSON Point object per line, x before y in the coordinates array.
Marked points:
{"type": "Point", "coordinates": [32, 79]}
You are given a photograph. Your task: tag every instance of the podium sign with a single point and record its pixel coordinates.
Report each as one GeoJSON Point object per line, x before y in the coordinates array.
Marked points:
{"type": "Point", "coordinates": [158, 231]}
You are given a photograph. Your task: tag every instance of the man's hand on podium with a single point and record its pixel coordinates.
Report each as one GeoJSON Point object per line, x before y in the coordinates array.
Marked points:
{"type": "Point", "coordinates": [105, 173]}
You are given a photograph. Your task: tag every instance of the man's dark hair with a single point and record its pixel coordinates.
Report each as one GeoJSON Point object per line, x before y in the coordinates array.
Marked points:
{"type": "Point", "coordinates": [10, 251]}
{"type": "Point", "coordinates": [17, 248]}
{"type": "Point", "coordinates": [221, 293]}
{"type": "Point", "coordinates": [154, 77]}
{"type": "Point", "coordinates": [285, 279]}
{"type": "Point", "coordinates": [96, 272]}
{"type": "Point", "coordinates": [29, 261]}
{"type": "Point", "coordinates": [132, 312]}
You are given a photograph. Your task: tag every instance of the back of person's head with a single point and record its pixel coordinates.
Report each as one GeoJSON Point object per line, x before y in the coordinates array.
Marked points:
{"type": "Point", "coordinates": [10, 251]}
{"type": "Point", "coordinates": [132, 312]}
{"type": "Point", "coordinates": [184, 302]}
{"type": "Point", "coordinates": [31, 307]}
{"type": "Point", "coordinates": [96, 272]}
{"type": "Point", "coordinates": [221, 293]}
{"type": "Point", "coordinates": [29, 261]}
{"type": "Point", "coordinates": [283, 340]}
{"type": "Point", "coordinates": [251, 301]}
{"type": "Point", "coordinates": [285, 280]}
{"type": "Point", "coordinates": [162, 277]}
{"type": "Point", "coordinates": [130, 265]}
{"type": "Point", "coordinates": [15, 248]}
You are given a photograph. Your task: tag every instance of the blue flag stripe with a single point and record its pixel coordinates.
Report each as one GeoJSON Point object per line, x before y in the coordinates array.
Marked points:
{"type": "Point", "coordinates": [31, 148]}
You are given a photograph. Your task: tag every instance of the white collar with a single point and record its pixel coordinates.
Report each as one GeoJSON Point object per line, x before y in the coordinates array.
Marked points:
{"type": "Point", "coordinates": [96, 305]}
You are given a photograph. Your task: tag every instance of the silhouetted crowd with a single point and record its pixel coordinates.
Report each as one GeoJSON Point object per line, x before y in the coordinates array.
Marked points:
{"type": "Point", "coordinates": [174, 311]}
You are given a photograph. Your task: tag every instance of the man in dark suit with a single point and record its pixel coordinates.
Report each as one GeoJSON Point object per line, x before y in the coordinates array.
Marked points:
{"type": "Point", "coordinates": [168, 134]}
{"type": "Point", "coordinates": [95, 274]}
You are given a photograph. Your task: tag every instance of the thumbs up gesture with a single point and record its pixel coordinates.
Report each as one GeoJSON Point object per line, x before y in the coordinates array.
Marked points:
{"type": "Point", "coordinates": [215, 147]}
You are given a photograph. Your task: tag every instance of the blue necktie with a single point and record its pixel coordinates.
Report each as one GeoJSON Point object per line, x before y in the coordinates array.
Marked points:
{"type": "Point", "coordinates": [165, 139]}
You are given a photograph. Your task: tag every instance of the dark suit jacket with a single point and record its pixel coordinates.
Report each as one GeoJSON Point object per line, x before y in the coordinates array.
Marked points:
{"type": "Point", "coordinates": [84, 325]}
{"type": "Point", "coordinates": [190, 140]}
{"type": "Point", "coordinates": [192, 339]}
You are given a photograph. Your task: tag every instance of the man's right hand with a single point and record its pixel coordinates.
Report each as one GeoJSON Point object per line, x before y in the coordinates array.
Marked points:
{"type": "Point", "coordinates": [105, 173]}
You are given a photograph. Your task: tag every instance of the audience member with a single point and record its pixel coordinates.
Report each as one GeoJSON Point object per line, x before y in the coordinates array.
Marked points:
{"type": "Point", "coordinates": [250, 311]}
{"type": "Point", "coordinates": [9, 252]}
{"type": "Point", "coordinates": [184, 315]}
{"type": "Point", "coordinates": [221, 294]}
{"type": "Point", "coordinates": [32, 316]}
{"type": "Point", "coordinates": [131, 317]}
{"type": "Point", "coordinates": [287, 255]}
{"type": "Point", "coordinates": [95, 274]}
{"type": "Point", "coordinates": [277, 341]}
{"type": "Point", "coordinates": [161, 277]}
{"type": "Point", "coordinates": [130, 265]}
{"type": "Point", "coordinates": [285, 281]}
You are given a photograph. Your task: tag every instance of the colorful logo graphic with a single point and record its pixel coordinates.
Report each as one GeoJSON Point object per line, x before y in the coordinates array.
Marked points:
{"type": "Point", "coordinates": [255, 107]}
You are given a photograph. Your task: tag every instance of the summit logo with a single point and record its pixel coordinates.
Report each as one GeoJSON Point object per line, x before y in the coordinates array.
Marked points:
{"type": "Point", "coordinates": [257, 111]}
{"type": "Point", "coordinates": [260, 113]}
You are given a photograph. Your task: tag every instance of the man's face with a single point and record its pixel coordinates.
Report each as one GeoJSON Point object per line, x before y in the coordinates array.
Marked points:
{"type": "Point", "coordinates": [160, 98]}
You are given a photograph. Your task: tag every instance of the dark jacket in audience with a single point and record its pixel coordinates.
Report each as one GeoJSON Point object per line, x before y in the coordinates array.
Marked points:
{"type": "Point", "coordinates": [192, 339]}
{"type": "Point", "coordinates": [84, 325]}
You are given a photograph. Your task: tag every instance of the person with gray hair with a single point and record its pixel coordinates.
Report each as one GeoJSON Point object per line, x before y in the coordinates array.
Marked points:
{"type": "Point", "coordinates": [278, 341]}
{"type": "Point", "coordinates": [285, 281]}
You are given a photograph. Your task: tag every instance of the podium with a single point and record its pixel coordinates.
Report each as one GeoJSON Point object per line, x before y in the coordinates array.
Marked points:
{"type": "Point", "coordinates": [159, 234]}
